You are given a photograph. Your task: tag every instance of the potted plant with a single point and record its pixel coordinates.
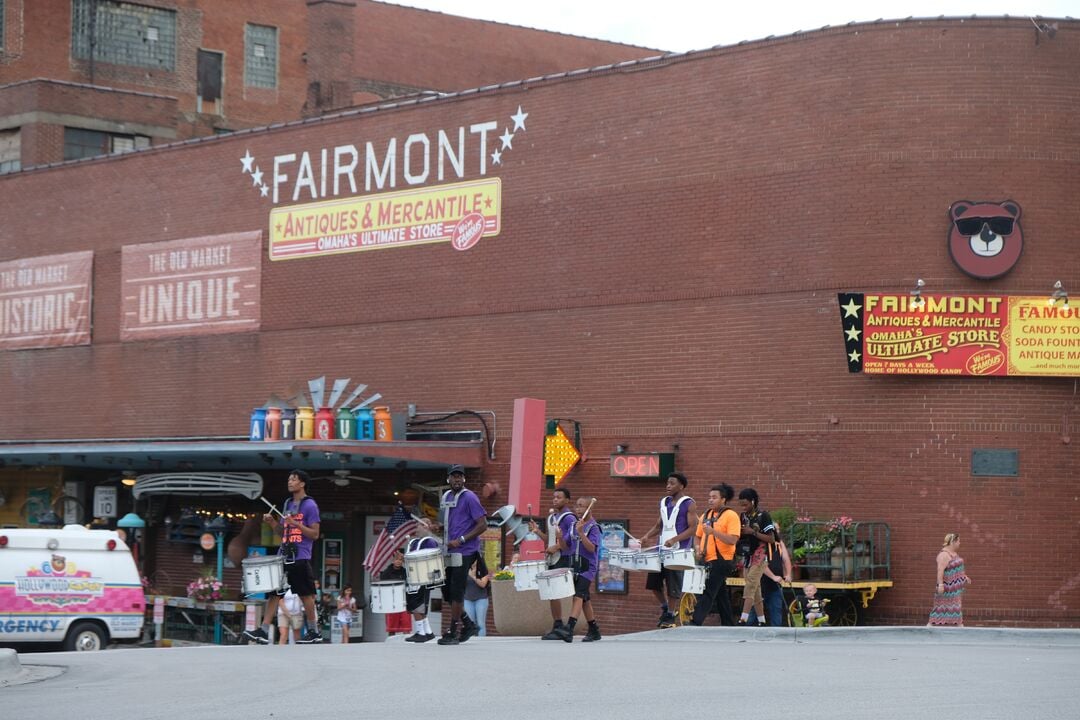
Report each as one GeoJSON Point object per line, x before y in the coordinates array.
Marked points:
{"type": "Point", "coordinates": [519, 612]}
{"type": "Point", "coordinates": [206, 588]}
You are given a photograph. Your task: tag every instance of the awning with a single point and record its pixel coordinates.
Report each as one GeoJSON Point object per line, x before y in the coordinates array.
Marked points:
{"type": "Point", "coordinates": [250, 485]}
{"type": "Point", "coordinates": [164, 454]}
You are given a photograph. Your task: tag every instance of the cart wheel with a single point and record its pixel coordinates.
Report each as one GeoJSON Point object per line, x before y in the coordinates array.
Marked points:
{"type": "Point", "coordinates": [794, 614]}
{"type": "Point", "coordinates": [686, 608]}
{"type": "Point", "coordinates": [842, 611]}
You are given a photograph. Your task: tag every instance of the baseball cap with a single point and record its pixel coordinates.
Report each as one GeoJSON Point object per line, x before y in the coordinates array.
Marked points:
{"type": "Point", "coordinates": [455, 469]}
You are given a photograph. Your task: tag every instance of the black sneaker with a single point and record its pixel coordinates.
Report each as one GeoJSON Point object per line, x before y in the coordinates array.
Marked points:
{"type": "Point", "coordinates": [258, 635]}
{"type": "Point", "coordinates": [310, 638]}
{"type": "Point", "coordinates": [667, 620]}
{"type": "Point", "coordinates": [468, 630]}
{"type": "Point", "coordinates": [415, 637]}
{"type": "Point", "coordinates": [450, 638]}
{"type": "Point", "coordinates": [426, 638]}
{"type": "Point", "coordinates": [554, 633]}
{"type": "Point", "coordinates": [567, 634]}
{"type": "Point", "coordinates": [592, 635]}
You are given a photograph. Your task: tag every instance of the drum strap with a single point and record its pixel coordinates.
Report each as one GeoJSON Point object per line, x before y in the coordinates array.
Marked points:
{"type": "Point", "coordinates": [669, 518]}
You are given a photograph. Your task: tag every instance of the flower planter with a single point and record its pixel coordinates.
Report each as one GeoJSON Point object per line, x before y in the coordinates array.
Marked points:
{"type": "Point", "coordinates": [521, 612]}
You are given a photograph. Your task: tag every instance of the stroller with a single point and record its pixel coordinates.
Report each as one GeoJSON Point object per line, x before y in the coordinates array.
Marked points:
{"type": "Point", "coordinates": [802, 605]}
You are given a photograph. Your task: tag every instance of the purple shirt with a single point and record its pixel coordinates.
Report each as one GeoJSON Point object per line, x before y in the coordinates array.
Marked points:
{"type": "Point", "coordinates": [462, 519]}
{"type": "Point", "coordinates": [308, 514]}
{"type": "Point", "coordinates": [576, 546]}
{"type": "Point", "coordinates": [567, 527]}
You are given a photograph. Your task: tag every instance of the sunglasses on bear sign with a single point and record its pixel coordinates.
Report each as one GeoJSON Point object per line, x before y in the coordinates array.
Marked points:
{"type": "Point", "coordinates": [974, 225]}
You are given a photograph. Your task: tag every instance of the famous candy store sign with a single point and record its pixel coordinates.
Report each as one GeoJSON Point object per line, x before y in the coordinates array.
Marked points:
{"type": "Point", "coordinates": [960, 335]}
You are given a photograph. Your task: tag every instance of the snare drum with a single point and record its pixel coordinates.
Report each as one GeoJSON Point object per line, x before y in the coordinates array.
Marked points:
{"type": "Point", "coordinates": [265, 573]}
{"type": "Point", "coordinates": [647, 559]}
{"type": "Point", "coordinates": [623, 557]}
{"type": "Point", "coordinates": [525, 573]}
{"type": "Point", "coordinates": [678, 558]}
{"type": "Point", "coordinates": [555, 584]}
{"type": "Point", "coordinates": [425, 567]}
{"type": "Point", "coordinates": [693, 581]}
{"type": "Point", "coordinates": [387, 597]}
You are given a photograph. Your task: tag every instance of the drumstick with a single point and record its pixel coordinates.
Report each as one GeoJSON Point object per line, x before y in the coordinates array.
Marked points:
{"type": "Point", "coordinates": [272, 507]}
{"type": "Point", "coordinates": [586, 513]}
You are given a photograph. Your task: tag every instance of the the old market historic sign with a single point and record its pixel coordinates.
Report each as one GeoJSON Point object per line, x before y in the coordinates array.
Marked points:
{"type": "Point", "coordinates": [892, 334]}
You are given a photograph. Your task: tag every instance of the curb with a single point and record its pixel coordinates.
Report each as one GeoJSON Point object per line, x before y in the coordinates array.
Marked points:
{"type": "Point", "coordinates": [880, 634]}
{"type": "Point", "coordinates": [10, 667]}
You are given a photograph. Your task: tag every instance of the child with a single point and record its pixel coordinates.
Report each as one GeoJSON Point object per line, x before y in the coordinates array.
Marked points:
{"type": "Point", "coordinates": [346, 607]}
{"type": "Point", "coordinates": [814, 608]}
{"type": "Point", "coordinates": [290, 616]}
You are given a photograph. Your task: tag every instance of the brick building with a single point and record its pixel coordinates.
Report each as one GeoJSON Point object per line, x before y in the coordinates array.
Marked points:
{"type": "Point", "coordinates": [84, 77]}
{"type": "Point", "coordinates": [671, 238]}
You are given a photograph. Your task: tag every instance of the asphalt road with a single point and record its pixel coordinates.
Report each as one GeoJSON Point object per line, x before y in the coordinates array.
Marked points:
{"type": "Point", "coordinates": [878, 673]}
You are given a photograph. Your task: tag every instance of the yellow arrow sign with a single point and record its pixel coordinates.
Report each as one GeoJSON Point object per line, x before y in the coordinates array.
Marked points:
{"type": "Point", "coordinates": [560, 455]}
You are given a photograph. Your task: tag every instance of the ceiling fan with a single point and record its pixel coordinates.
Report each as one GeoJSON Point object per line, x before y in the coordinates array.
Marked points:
{"type": "Point", "coordinates": [342, 478]}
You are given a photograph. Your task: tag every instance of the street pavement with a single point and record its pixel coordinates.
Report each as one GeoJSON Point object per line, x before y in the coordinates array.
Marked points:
{"type": "Point", "coordinates": [877, 672]}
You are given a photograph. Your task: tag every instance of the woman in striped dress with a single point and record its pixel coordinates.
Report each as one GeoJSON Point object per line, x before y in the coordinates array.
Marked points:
{"type": "Point", "coordinates": [951, 580]}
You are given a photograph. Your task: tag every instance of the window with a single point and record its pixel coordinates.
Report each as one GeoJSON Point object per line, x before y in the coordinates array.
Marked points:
{"type": "Point", "coordinates": [123, 33]}
{"type": "Point", "coordinates": [260, 56]}
{"type": "Point", "coordinates": [9, 145]}
{"type": "Point", "coordinates": [80, 143]}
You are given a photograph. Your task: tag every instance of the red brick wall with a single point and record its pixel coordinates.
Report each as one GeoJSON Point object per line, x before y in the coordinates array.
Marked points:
{"type": "Point", "coordinates": [431, 50]}
{"type": "Point", "coordinates": [673, 242]}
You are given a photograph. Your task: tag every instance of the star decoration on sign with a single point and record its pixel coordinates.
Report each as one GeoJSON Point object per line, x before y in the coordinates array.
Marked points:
{"type": "Point", "coordinates": [519, 119]}
{"type": "Point", "coordinates": [507, 139]}
{"type": "Point", "coordinates": [508, 134]}
{"type": "Point", "coordinates": [250, 168]}
{"type": "Point", "coordinates": [850, 305]}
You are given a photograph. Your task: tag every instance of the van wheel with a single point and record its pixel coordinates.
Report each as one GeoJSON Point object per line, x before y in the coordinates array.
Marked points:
{"type": "Point", "coordinates": [85, 636]}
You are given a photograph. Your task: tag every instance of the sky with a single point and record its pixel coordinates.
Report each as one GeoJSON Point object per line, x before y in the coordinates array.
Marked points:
{"type": "Point", "coordinates": [680, 25]}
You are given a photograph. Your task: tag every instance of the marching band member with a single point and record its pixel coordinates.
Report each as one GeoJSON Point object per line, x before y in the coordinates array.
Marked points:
{"type": "Point", "coordinates": [584, 559]}
{"type": "Point", "coordinates": [300, 527]}
{"type": "Point", "coordinates": [560, 528]}
{"type": "Point", "coordinates": [462, 522]}
{"type": "Point", "coordinates": [718, 532]}
{"type": "Point", "coordinates": [677, 523]}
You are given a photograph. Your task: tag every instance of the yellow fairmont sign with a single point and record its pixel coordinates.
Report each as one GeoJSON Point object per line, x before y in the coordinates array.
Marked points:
{"type": "Point", "coordinates": [459, 213]}
{"type": "Point", "coordinates": [560, 455]}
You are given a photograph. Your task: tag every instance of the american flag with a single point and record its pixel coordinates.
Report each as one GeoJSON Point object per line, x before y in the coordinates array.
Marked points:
{"type": "Point", "coordinates": [400, 525]}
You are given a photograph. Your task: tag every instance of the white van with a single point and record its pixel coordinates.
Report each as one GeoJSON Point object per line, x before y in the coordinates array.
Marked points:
{"type": "Point", "coordinates": [75, 586]}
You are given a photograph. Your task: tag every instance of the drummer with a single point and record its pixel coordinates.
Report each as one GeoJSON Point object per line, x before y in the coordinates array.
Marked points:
{"type": "Point", "coordinates": [416, 599]}
{"type": "Point", "coordinates": [300, 529]}
{"type": "Point", "coordinates": [463, 521]}
{"type": "Point", "coordinates": [584, 553]}
{"type": "Point", "coordinates": [676, 525]}
{"type": "Point", "coordinates": [560, 529]}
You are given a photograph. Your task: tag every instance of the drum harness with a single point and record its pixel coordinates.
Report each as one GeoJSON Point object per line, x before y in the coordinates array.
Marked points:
{"type": "Point", "coordinates": [554, 522]}
{"type": "Point", "coordinates": [289, 549]}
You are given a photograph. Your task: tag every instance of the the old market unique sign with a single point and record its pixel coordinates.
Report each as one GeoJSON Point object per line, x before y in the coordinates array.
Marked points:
{"type": "Point", "coordinates": [45, 301]}
{"type": "Point", "coordinates": [960, 335]}
{"type": "Point", "coordinates": [460, 213]}
{"type": "Point", "coordinates": [194, 286]}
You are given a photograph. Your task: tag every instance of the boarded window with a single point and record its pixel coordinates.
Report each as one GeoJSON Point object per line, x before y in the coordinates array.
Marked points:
{"type": "Point", "coordinates": [10, 146]}
{"type": "Point", "coordinates": [123, 34]}
{"type": "Point", "coordinates": [1, 24]}
{"type": "Point", "coordinates": [82, 143]}
{"type": "Point", "coordinates": [260, 56]}
{"type": "Point", "coordinates": [209, 75]}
